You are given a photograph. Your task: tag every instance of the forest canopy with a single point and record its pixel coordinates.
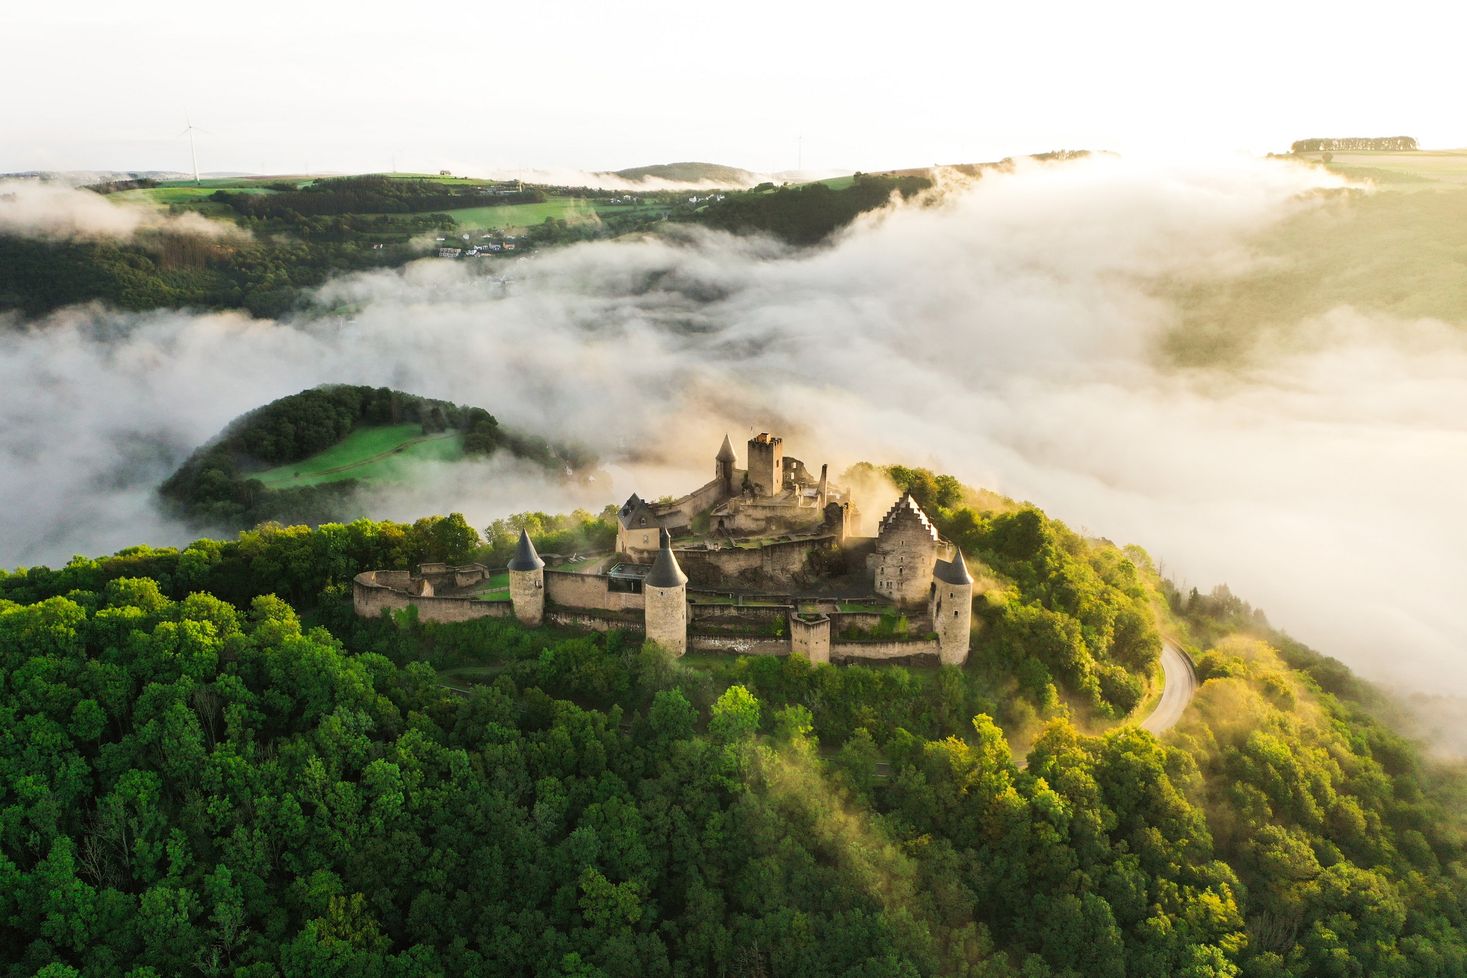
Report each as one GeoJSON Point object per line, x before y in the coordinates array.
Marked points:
{"type": "Point", "coordinates": [212, 765]}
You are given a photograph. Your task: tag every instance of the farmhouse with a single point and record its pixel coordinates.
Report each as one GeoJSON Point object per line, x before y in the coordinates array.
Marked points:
{"type": "Point", "coordinates": [762, 559]}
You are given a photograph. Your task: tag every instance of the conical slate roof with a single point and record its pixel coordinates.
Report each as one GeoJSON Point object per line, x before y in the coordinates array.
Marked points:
{"type": "Point", "coordinates": [953, 571]}
{"type": "Point", "coordinates": [725, 454]}
{"type": "Point", "coordinates": [525, 558]}
{"type": "Point", "coordinates": [665, 572]}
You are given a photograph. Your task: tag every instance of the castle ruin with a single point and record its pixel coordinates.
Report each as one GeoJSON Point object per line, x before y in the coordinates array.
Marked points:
{"type": "Point", "coordinates": [760, 560]}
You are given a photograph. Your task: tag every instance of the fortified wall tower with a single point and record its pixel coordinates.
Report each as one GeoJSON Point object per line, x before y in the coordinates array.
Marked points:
{"type": "Point", "coordinates": [527, 582]}
{"type": "Point", "coordinates": [951, 608]}
{"type": "Point", "coordinates": [665, 599]}
{"type": "Point", "coordinates": [766, 464]}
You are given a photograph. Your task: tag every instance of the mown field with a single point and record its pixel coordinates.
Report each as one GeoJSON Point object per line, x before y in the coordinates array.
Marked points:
{"type": "Point", "coordinates": [376, 454]}
{"type": "Point", "coordinates": [1393, 245]}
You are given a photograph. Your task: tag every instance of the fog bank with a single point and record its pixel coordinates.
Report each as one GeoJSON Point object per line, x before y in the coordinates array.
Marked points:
{"type": "Point", "coordinates": [1010, 334]}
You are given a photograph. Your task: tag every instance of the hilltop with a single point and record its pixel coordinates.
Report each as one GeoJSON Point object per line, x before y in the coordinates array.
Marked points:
{"type": "Point", "coordinates": [711, 173]}
{"type": "Point", "coordinates": [305, 456]}
{"type": "Point", "coordinates": [303, 791]}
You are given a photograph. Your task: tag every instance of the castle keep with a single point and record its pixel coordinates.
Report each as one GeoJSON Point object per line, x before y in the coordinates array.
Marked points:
{"type": "Point", "coordinates": [766, 559]}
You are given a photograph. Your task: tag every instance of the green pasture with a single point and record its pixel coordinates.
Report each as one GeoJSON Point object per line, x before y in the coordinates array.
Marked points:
{"type": "Point", "coordinates": [1399, 170]}
{"type": "Point", "coordinates": [569, 209]}
{"type": "Point", "coordinates": [380, 454]}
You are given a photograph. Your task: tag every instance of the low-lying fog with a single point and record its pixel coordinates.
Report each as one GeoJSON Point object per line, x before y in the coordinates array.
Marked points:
{"type": "Point", "coordinates": [1011, 335]}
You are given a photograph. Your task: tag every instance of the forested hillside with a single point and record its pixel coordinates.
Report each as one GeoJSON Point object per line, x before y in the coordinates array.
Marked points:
{"type": "Point", "coordinates": [219, 485]}
{"type": "Point", "coordinates": [211, 766]}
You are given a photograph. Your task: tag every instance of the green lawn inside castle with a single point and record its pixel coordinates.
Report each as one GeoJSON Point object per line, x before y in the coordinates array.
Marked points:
{"type": "Point", "coordinates": [769, 559]}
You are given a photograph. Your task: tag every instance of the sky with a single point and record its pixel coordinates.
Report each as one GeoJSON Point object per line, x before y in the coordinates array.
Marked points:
{"type": "Point", "coordinates": [361, 86]}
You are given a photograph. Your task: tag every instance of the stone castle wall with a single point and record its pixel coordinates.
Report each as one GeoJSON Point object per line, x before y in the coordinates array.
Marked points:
{"type": "Point", "coordinates": [778, 563]}
{"type": "Point", "coordinates": [373, 592]}
{"type": "Point", "coordinates": [593, 622]}
{"type": "Point", "coordinates": [569, 590]}
{"type": "Point", "coordinates": [882, 650]}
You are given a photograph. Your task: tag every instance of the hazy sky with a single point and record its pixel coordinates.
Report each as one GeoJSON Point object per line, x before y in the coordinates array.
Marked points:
{"type": "Point", "coordinates": [351, 86]}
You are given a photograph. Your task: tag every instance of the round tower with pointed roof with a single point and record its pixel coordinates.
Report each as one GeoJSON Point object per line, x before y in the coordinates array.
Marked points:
{"type": "Point", "coordinates": [527, 582]}
{"type": "Point", "coordinates": [951, 606]}
{"type": "Point", "coordinates": [724, 468]}
{"type": "Point", "coordinates": [665, 600]}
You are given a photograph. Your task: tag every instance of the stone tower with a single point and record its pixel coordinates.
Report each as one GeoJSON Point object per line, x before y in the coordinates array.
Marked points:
{"type": "Point", "coordinates": [766, 464]}
{"type": "Point", "coordinates": [951, 606]}
{"type": "Point", "coordinates": [527, 582]}
{"type": "Point", "coordinates": [906, 548]}
{"type": "Point", "coordinates": [724, 468]}
{"type": "Point", "coordinates": [665, 597]}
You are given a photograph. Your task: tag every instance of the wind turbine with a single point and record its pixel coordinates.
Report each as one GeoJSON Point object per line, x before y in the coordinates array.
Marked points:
{"type": "Point", "coordinates": [189, 129]}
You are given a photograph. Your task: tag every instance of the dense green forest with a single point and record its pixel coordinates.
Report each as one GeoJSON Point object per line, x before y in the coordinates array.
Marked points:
{"type": "Point", "coordinates": [809, 213]}
{"type": "Point", "coordinates": [266, 275]}
{"type": "Point", "coordinates": [212, 766]}
{"type": "Point", "coordinates": [214, 486]}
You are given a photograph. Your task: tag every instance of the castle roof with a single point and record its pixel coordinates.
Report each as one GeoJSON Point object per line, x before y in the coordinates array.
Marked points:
{"type": "Point", "coordinates": [665, 571]}
{"type": "Point", "coordinates": [635, 514]}
{"type": "Point", "coordinates": [525, 558]}
{"type": "Point", "coordinates": [726, 453]}
{"type": "Point", "coordinates": [906, 510]}
{"type": "Point", "coordinates": [953, 571]}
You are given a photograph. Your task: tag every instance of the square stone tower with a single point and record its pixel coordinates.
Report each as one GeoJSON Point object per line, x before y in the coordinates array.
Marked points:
{"type": "Point", "coordinates": [766, 464]}
{"type": "Point", "coordinates": [906, 551]}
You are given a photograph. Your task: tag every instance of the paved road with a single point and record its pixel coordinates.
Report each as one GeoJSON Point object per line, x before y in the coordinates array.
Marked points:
{"type": "Point", "coordinates": [1180, 684]}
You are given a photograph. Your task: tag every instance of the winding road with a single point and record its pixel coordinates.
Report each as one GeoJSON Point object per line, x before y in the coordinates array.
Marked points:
{"type": "Point", "coordinates": [1179, 683]}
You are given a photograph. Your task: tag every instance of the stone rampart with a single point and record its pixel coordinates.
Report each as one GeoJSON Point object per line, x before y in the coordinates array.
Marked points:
{"type": "Point", "coordinates": [733, 645]}
{"type": "Point", "coordinates": [783, 562]}
{"type": "Point", "coordinates": [376, 591]}
{"type": "Point", "coordinates": [569, 590]}
{"type": "Point", "coordinates": [599, 623]}
{"type": "Point", "coordinates": [883, 650]}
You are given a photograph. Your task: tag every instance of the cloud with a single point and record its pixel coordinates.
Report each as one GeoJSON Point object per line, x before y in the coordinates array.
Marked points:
{"type": "Point", "coordinates": [37, 209]}
{"type": "Point", "coordinates": [1012, 333]}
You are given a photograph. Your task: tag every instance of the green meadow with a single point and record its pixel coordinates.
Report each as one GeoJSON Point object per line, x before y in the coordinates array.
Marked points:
{"type": "Point", "coordinates": [377, 454]}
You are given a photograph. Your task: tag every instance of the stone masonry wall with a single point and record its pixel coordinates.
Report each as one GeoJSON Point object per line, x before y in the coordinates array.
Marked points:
{"type": "Point", "coordinates": [781, 563]}
{"type": "Point", "coordinates": [587, 591]}
{"type": "Point", "coordinates": [373, 591]}
{"type": "Point", "coordinates": [882, 650]}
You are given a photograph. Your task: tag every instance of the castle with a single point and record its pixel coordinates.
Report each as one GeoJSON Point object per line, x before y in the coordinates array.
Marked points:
{"type": "Point", "coordinates": [761, 560]}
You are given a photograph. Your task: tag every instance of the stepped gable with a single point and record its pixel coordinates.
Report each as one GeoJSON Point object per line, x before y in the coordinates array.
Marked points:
{"type": "Point", "coordinates": [906, 510]}
{"type": "Point", "coordinates": [665, 571]}
{"type": "Point", "coordinates": [953, 571]}
{"type": "Point", "coordinates": [525, 558]}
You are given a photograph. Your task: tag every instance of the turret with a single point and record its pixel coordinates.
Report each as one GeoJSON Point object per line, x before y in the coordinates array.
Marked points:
{"type": "Point", "coordinates": [665, 599]}
{"type": "Point", "coordinates": [951, 606]}
{"type": "Point", "coordinates": [724, 467]}
{"type": "Point", "coordinates": [527, 582]}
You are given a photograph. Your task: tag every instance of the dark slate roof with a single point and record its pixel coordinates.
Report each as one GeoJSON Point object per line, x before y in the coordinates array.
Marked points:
{"type": "Point", "coordinates": [665, 571]}
{"type": "Point", "coordinates": [636, 514]}
{"type": "Point", "coordinates": [525, 558]}
{"type": "Point", "coordinates": [725, 454]}
{"type": "Point", "coordinates": [953, 571]}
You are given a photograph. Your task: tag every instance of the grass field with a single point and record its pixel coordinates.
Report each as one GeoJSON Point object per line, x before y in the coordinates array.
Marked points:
{"type": "Point", "coordinates": [1402, 171]}
{"type": "Point", "coordinates": [377, 454]}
